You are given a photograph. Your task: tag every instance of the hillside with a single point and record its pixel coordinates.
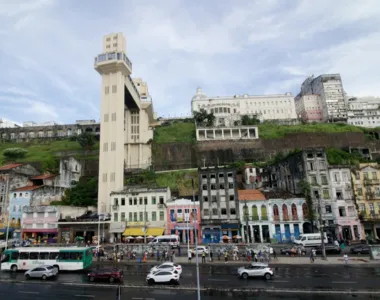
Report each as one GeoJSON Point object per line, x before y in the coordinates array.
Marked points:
{"type": "Point", "coordinates": [184, 132]}
{"type": "Point", "coordinates": [42, 151]}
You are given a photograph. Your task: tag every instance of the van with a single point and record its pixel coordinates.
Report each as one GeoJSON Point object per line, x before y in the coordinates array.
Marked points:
{"type": "Point", "coordinates": [171, 240]}
{"type": "Point", "coordinates": [310, 239]}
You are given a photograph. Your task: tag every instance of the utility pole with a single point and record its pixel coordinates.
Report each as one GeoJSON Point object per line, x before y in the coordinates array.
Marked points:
{"type": "Point", "coordinates": [246, 216]}
{"type": "Point", "coordinates": [8, 221]}
{"type": "Point", "coordinates": [323, 248]}
{"type": "Point", "coordinates": [196, 242]}
{"type": "Point", "coordinates": [145, 230]}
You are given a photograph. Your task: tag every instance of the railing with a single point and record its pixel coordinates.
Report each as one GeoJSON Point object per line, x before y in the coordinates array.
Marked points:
{"type": "Point", "coordinates": [113, 56]}
{"type": "Point", "coordinates": [371, 217]}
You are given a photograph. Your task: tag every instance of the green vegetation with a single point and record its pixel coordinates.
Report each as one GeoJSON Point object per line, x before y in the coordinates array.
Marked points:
{"type": "Point", "coordinates": [14, 153]}
{"type": "Point", "coordinates": [180, 132]}
{"type": "Point", "coordinates": [41, 150]}
{"type": "Point", "coordinates": [340, 157]}
{"type": "Point", "coordinates": [202, 118]}
{"type": "Point", "coordinates": [247, 120]}
{"type": "Point", "coordinates": [274, 131]}
{"type": "Point", "coordinates": [85, 193]}
{"type": "Point", "coordinates": [86, 140]}
{"type": "Point", "coordinates": [306, 191]}
{"type": "Point", "coordinates": [178, 181]}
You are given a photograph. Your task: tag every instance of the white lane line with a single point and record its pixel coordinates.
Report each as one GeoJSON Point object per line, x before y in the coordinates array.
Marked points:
{"type": "Point", "coordinates": [27, 292]}
{"type": "Point", "coordinates": [280, 281]}
{"type": "Point", "coordinates": [85, 296]}
{"type": "Point", "coordinates": [149, 298]}
{"type": "Point", "coordinates": [343, 282]}
{"type": "Point", "coordinates": [210, 279]}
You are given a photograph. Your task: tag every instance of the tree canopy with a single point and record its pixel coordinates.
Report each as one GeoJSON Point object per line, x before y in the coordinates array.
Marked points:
{"type": "Point", "coordinates": [85, 193]}
{"type": "Point", "coordinates": [86, 140]}
{"type": "Point", "coordinates": [14, 153]}
{"type": "Point", "coordinates": [202, 118]}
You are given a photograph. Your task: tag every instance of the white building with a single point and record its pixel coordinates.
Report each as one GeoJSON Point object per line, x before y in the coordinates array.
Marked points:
{"type": "Point", "coordinates": [271, 215]}
{"type": "Point", "coordinates": [343, 205]}
{"type": "Point", "coordinates": [8, 124]}
{"type": "Point", "coordinates": [364, 111]}
{"type": "Point", "coordinates": [330, 89]}
{"type": "Point", "coordinates": [140, 209]}
{"type": "Point", "coordinates": [229, 109]}
{"type": "Point", "coordinates": [309, 108]}
{"type": "Point", "coordinates": [125, 119]}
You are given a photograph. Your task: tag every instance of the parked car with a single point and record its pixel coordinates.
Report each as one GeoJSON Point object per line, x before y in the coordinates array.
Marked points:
{"type": "Point", "coordinates": [110, 275]}
{"type": "Point", "coordinates": [330, 249]}
{"type": "Point", "coordinates": [167, 266]}
{"type": "Point", "coordinates": [293, 250]}
{"type": "Point", "coordinates": [360, 249]}
{"type": "Point", "coordinates": [165, 276]}
{"type": "Point", "coordinates": [199, 250]}
{"type": "Point", "coordinates": [42, 272]}
{"type": "Point", "coordinates": [256, 270]}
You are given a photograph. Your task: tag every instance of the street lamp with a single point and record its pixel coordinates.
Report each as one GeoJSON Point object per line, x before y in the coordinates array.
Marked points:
{"type": "Point", "coordinates": [321, 228]}
{"type": "Point", "coordinates": [246, 217]}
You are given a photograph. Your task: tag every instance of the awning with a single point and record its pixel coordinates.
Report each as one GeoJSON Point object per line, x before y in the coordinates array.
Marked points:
{"type": "Point", "coordinates": [155, 231]}
{"type": "Point", "coordinates": [4, 230]}
{"type": "Point", "coordinates": [134, 231]}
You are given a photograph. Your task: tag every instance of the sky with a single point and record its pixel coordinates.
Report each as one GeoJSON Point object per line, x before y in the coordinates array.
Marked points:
{"type": "Point", "coordinates": [254, 47]}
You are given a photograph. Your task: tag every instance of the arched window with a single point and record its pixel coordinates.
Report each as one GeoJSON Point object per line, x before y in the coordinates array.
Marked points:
{"type": "Point", "coordinates": [294, 212]}
{"type": "Point", "coordinates": [245, 212]}
{"type": "Point", "coordinates": [305, 211]}
{"type": "Point", "coordinates": [276, 215]}
{"type": "Point", "coordinates": [255, 216]}
{"type": "Point", "coordinates": [264, 213]}
{"type": "Point", "coordinates": [285, 214]}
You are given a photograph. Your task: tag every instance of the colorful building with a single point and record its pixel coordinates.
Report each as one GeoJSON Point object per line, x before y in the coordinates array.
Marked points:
{"type": "Point", "coordinates": [366, 182]}
{"type": "Point", "coordinates": [180, 220]}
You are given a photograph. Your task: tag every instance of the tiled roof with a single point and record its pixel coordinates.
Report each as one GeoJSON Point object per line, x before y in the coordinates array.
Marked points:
{"type": "Point", "coordinates": [27, 188]}
{"type": "Point", "coordinates": [278, 194]}
{"type": "Point", "coordinates": [44, 176]}
{"type": "Point", "coordinates": [250, 195]}
{"type": "Point", "coordinates": [9, 167]}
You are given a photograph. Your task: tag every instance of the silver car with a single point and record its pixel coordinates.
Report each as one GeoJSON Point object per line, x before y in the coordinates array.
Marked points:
{"type": "Point", "coordinates": [256, 270]}
{"type": "Point", "coordinates": [43, 272]}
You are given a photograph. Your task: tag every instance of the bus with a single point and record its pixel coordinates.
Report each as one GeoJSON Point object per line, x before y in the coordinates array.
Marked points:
{"type": "Point", "coordinates": [65, 258]}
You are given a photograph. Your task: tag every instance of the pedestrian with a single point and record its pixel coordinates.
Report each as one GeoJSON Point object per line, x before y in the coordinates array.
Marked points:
{"type": "Point", "coordinates": [179, 250]}
{"type": "Point", "coordinates": [299, 251]}
{"type": "Point", "coordinates": [219, 254]}
{"type": "Point", "coordinates": [275, 254]}
{"type": "Point", "coordinates": [226, 257]}
{"type": "Point", "coordinates": [189, 256]}
{"type": "Point", "coordinates": [166, 255]}
{"type": "Point", "coordinates": [171, 255]}
{"type": "Point", "coordinates": [312, 256]}
{"type": "Point", "coordinates": [249, 255]}
{"type": "Point", "coordinates": [345, 256]}
{"type": "Point", "coordinates": [203, 256]}
{"type": "Point", "coordinates": [158, 255]}
{"type": "Point", "coordinates": [211, 258]}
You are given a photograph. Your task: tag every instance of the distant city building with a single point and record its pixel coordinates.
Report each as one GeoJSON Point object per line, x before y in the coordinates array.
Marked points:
{"type": "Point", "coordinates": [126, 134]}
{"type": "Point", "coordinates": [142, 210]}
{"type": "Point", "coordinates": [8, 124]}
{"type": "Point", "coordinates": [330, 89]}
{"type": "Point", "coordinates": [180, 220]}
{"type": "Point", "coordinates": [218, 203]}
{"type": "Point", "coordinates": [223, 133]}
{"type": "Point", "coordinates": [364, 111]}
{"type": "Point", "coordinates": [229, 109]}
{"type": "Point", "coordinates": [252, 177]}
{"type": "Point", "coordinates": [309, 108]}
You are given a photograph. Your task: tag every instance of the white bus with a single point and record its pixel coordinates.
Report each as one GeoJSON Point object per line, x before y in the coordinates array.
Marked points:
{"type": "Point", "coordinates": [171, 240]}
{"type": "Point", "coordinates": [310, 239]}
{"type": "Point", "coordinates": [64, 258]}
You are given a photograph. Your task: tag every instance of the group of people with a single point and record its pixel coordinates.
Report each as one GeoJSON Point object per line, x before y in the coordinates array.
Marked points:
{"type": "Point", "coordinates": [166, 255]}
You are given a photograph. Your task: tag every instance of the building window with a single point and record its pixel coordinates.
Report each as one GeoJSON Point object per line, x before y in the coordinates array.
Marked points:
{"type": "Point", "coordinates": [141, 216]}
{"type": "Point", "coordinates": [130, 217]}
{"type": "Point", "coordinates": [374, 175]}
{"type": "Point", "coordinates": [223, 211]}
{"type": "Point", "coordinates": [135, 201]}
{"type": "Point", "coordinates": [324, 180]}
{"type": "Point", "coordinates": [205, 213]}
{"type": "Point", "coordinates": [161, 200]}
{"type": "Point", "coordinates": [114, 89]}
{"type": "Point", "coordinates": [154, 216]}
{"type": "Point", "coordinates": [122, 217]}
{"type": "Point", "coordinates": [113, 146]}
{"type": "Point", "coordinates": [145, 200]}
{"type": "Point", "coordinates": [215, 212]}
{"type": "Point", "coordinates": [232, 198]}
{"type": "Point", "coordinates": [360, 192]}
{"type": "Point", "coordinates": [105, 147]}
{"type": "Point", "coordinates": [328, 209]}
{"type": "Point", "coordinates": [116, 201]}
{"type": "Point", "coordinates": [342, 211]}
{"type": "Point", "coordinates": [204, 187]}
{"type": "Point", "coordinates": [140, 200]}
{"type": "Point", "coordinates": [313, 180]}
{"type": "Point", "coordinates": [123, 201]}
{"type": "Point", "coordinates": [213, 186]}
{"type": "Point", "coordinates": [135, 217]}
{"type": "Point", "coordinates": [365, 175]}
{"type": "Point", "coordinates": [221, 186]}
{"type": "Point", "coordinates": [146, 216]}
{"type": "Point", "coordinates": [113, 117]}
{"type": "Point", "coordinates": [116, 217]}
{"type": "Point", "coordinates": [213, 198]}
{"type": "Point", "coordinates": [162, 216]}
{"type": "Point", "coordinates": [112, 177]}
{"type": "Point", "coordinates": [232, 211]}
{"type": "Point", "coordinates": [230, 185]}
{"type": "Point", "coordinates": [104, 177]}
{"type": "Point", "coordinates": [107, 90]}
{"type": "Point", "coordinates": [153, 200]}
{"type": "Point", "coordinates": [105, 117]}
{"type": "Point", "coordinates": [130, 201]}
{"type": "Point", "coordinates": [205, 198]}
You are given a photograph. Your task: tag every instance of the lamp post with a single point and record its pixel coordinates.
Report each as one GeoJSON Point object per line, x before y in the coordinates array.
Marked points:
{"type": "Point", "coordinates": [321, 228]}
{"type": "Point", "coordinates": [196, 243]}
{"type": "Point", "coordinates": [145, 230]}
{"type": "Point", "coordinates": [246, 217]}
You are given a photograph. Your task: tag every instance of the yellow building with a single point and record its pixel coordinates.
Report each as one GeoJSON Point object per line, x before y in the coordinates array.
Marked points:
{"type": "Point", "coordinates": [366, 182]}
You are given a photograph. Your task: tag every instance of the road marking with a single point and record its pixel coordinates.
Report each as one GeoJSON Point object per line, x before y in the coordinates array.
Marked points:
{"type": "Point", "coordinates": [343, 282]}
{"type": "Point", "coordinates": [280, 281]}
{"type": "Point", "coordinates": [138, 298]}
{"type": "Point", "coordinates": [85, 296]}
{"type": "Point", "coordinates": [210, 279]}
{"type": "Point", "coordinates": [27, 292]}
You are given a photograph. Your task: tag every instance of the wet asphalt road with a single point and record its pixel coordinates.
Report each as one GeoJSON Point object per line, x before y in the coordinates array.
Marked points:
{"type": "Point", "coordinates": [222, 276]}
{"type": "Point", "coordinates": [29, 291]}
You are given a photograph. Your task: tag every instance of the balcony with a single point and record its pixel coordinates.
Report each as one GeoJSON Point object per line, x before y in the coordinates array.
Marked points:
{"type": "Point", "coordinates": [370, 217]}
{"type": "Point", "coordinates": [368, 181]}
{"type": "Point", "coordinates": [106, 61]}
{"type": "Point", "coordinates": [295, 218]}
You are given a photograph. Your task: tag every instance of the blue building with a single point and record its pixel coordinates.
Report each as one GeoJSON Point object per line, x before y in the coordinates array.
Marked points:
{"type": "Point", "coordinates": [19, 198]}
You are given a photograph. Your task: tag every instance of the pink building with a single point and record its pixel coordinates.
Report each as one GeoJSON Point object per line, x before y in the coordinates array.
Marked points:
{"type": "Point", "coordinates": [180, 220]}
{"type": "Point", "coordinates": [309, 108]}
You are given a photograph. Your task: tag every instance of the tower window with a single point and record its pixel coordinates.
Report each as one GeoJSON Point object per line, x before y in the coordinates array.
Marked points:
{"type": "Point", "coordinates": [105, 147]}
{"type": "Point", "coordinates": [113, 146]}
{"type": "Point", "coordinates": [104, 177]}
{"type": "Point", "coordinates": [112, 179]}
{"type": "Point", "coordinates": [107, 90]}
{"type": "Point", "coordinates": [113, 117]}
{"type": "Point", "coordinates": [105, 117]}
{"type": "Point", "coordinates": [114, 89]}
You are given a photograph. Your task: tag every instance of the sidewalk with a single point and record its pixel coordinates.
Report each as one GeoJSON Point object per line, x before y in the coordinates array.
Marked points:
{"type": "Point", "coordinates": [282, 260]}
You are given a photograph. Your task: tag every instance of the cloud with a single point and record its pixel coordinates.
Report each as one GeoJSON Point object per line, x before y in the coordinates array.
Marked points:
{"type": "Point", "coordinates": [252, 47]}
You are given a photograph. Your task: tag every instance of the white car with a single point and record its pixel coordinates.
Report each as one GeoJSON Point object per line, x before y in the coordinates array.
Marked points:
{"type": "Point", "coordinates": [256, 270]}
{"type": "Point", "coordinates": [42, 272]}
{"type": "Point", "coordinates": [167, 266]}
{"type": "Point", "coordinates": [199, 250]}
{"type": "Point", "coordinates": [165, 276]}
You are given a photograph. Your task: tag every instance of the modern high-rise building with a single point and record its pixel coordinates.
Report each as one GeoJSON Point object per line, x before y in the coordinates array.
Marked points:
{"type": "Point", "coordinates": [364, 111]}
{"type": "Point", "coordinates": [330, 89]}
{"type": "Point", "coordinates": [126, 115]}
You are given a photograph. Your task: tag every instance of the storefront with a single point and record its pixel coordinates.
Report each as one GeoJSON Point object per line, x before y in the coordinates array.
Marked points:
{"type": "Point", "coordinates": [40, 236]}
{"type": "Point", "coordinates": [135, 232]}
{"type": "Point", "coordinates": [211, 235]}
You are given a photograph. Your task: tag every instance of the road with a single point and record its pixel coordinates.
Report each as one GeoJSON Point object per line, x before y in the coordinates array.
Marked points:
{"type": "Point", "coordinates": [308, 277]}
{"type": "Point", "coordinates": [28, 291]}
